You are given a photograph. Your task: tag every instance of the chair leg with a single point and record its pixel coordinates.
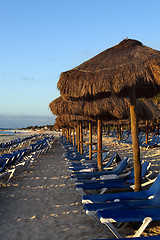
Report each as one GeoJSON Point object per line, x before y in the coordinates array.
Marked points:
{"type": "Point", "coordinates": [11, 174]}
{"type": "Point", "coordinates": [81, 191]}
{"type": "Point", "coordinates": [106, 225]}
{"type": "Point", "coordinates": [112, 229]}
{"type": "Point", "coordinates": [145, 223]}
{"type": "Point", "coordinates": [103, 190]}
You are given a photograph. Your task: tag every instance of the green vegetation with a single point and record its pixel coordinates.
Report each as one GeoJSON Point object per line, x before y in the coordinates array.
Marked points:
{"type": "Point", "coordinates": [38, 127]}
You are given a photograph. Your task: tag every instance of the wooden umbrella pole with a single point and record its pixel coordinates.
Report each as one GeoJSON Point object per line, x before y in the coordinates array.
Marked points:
{"type": "Point", "coordinates": [73, 137]}
{"type": "Point", "coordinates": [77, 136]}
{"type": "Point", "coordinates": [146, 131]}
{"type": "Point", "coordinates": [69, 132]}
{"type": "Point", "coordinates": [90, 140]}
{"type": "Point", "coordinates": [119, 137]}
{"type": "Point", "coordinates": [67, 135]}
{"type": "Point", "coordinates": [64, 133]}
{"type": "Point", "coordinates": [157, 126]}
{"type": "Point", "coordinates": [78, 145]}
{"type": "Point", "coordinates": [76, 139]}
{"type": "Point", "coordinates": [135, 142]}
{"type": "Point", "coordinates": [81, 138]}
{"type": "Point", "coordinates": [99, 145]}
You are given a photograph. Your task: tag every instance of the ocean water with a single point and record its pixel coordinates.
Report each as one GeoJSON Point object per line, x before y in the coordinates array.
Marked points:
{"type": "Point", "coordinates": [6, 132]}
{"type": "Point", "coordinates": [6, 135]}
{"type": "Point", "coordinates": [9, 135]}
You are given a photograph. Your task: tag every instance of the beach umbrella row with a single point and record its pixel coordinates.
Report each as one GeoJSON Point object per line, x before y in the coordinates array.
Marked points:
{"type": "Point", "coordinates": [112, 108]}
{"type": "Point", "coordinates": [106, 109]}
{"type": "Point", "coordinates": [128, 69]}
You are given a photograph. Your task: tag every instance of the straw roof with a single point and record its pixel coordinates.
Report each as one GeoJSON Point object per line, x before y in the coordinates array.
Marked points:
{"type": "Point", "coordinates": [60, 107]}
{"type": "Point", "coordinates": [105, 109]}
{"type": "Point", "coordinates": [153, 108]}
{"type": "Point", "coordinates": [114, 70]}
{"type": "Point", "coordinates": [73, 118]}
{"type": "Point", "coordinates": [57, 125]}
{"type": "Point", "coordinates": [70, 120]}
{"type": "Point", "coordinates": [64, 122]}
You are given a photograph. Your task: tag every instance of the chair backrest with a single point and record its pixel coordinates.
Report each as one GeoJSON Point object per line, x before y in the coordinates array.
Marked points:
{"type": "Point", "coordinates": [104, 155]}
{"type": "Point", "coordinates": [145, 167]}
{"type": "Point", "coordinates": [131, 174]}
{"type": "Point", "coordinates": [155, 187]}
{"type": "Point", "coordinates": [140, 136]}
{"type": "Point", "coordinates": [156, 140]}
{"type": "Point", "coordinates": [143, 139]}
{"type": "Point", "coordinates": [118, 158]}
{"type": "Point", "coordinates": [4, 159]}
{"type": "Point", "coordinates": [121, 166]}
{"type": "Point", "coordinates": [128, 138]}
{"type": "Point", "coordinates": [110, 160]}
{"type": "Point", "coordinates": [104, 148]}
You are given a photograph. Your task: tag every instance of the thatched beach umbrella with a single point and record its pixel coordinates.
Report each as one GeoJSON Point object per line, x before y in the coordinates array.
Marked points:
{"type": "Point", "coordinates": [115, 70]}
{"type": "Point", "coordinates": [110, 108]}
{"type": "Point", "coordinates": [105, 109]}
{"type": "Point", "coordinates": [128, 69]}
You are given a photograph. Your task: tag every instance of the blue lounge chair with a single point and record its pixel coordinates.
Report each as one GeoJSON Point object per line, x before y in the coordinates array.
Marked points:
{"type": "Point", "coordinates": [84, 162]}
{"type": "Point", "coordinates": [87, 176]}
{"type": "Point", "coordinates": [5, 164]}
{"type": "Point", "coordinates": [121, 196]}
{"type": "Point", "coordinates": [152, 143]}
{"type": "Point", "coordinates": [110, 184]}
{"type": "Point", "coordinates": [143, 214]}
{"type": "Point", "coordinates": [17, 161]}
{"type": "Point", "coordinates": [93, 165]}
{"type": "Point", "coordinates": [142, 140]}
{"type": "Point", "coordinates": [128, 140]}
{"type": "Point", "coordinates": [6, 161]}
{"type": "Point", "coordinates": [91, 208]}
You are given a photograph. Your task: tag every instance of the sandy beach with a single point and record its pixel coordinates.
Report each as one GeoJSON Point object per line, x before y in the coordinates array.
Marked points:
{"type": "Point", "coordinates": [42, 202]}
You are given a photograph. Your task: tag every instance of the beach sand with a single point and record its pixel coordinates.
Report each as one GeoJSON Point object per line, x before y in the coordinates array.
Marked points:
{"type": "Point", "coordinates": [42, 202]}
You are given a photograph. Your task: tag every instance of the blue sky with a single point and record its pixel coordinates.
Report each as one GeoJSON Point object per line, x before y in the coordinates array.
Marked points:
{"type": "Point", "coordinates": [42, 38]}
